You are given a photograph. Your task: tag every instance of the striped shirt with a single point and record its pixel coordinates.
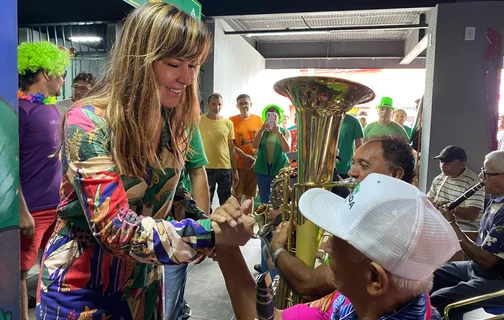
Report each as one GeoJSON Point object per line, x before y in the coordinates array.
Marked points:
{"type": "Point", "coordinates": [446, 189]}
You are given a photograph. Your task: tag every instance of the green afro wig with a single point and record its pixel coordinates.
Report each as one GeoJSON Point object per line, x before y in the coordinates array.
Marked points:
{"type": "Point", "coordinates": [280, 112]}
{"type": "Point", "coordinates": [33, 56]}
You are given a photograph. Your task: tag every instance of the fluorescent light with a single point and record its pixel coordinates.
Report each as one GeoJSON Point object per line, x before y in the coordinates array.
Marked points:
{"type": "Point", "coordinates": [417, 50]}
{"type": "Point", "coordinates": [86, 39]}
{"type": "Point", "coordinates": [285, 33]}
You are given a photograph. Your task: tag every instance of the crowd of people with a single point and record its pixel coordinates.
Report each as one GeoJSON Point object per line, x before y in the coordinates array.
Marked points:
{"type": "Point", "coordinates": [116, 186]}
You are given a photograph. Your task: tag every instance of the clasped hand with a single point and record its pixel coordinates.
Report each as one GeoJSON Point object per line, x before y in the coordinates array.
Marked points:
{"type": "Point", "coordinates": [230, 223]}
{"type": "Point", "coordinates": [447, 214]}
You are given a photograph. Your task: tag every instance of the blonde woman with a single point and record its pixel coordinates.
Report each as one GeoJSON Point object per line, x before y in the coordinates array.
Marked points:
{"type": "Point", "coordinates": [122, 154]}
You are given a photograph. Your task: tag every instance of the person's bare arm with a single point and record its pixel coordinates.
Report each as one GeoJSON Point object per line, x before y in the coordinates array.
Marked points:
{"type": "Point", "coordinates": [473, 235]}
{"type": "Point", "coordinates": [239, 282]}
{"type": "Point", "coordinates": [258, 137]}
{"type": "Point", "coordinates": [467, 213]}
{"type": "Point", "coordinates": [310, 284]}
{"type": "Point", "coordinates": [232, 158]}
{"type": "Point", "coordinates": [480, 256]}
{"type": "Point", "coordinates": [199, 183]}
{"type": "Point", "coordinates": [283, 139]}
{"type": "Point", "coordinates": [26, 221]}
{"type": "Point", "coordinates": [240, 152]}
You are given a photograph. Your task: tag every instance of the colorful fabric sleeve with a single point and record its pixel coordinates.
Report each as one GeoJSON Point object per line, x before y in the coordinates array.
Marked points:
{"type": "Point", "coordinates": [494, 241]}
{"type": "Point", "coordinates": [100, 190]}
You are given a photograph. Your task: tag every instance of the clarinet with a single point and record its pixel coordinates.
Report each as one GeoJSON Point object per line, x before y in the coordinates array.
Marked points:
{"type": "Point", "coordinates": [452, 205]}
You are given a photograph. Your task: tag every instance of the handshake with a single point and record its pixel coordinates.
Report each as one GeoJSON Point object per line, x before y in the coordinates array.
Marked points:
{"type": "Point", "coordinates": [231, 225]}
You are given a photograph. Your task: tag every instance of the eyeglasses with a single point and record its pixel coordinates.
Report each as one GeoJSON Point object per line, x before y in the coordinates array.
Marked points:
{"type": "Point", "coordinates": [485, 174]}
{"type": "Point", "coordinates": [80, 88]}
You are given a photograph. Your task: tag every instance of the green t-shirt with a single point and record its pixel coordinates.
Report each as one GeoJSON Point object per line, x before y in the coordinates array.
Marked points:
{"type": "Point", "coordinates": [375, 130]}
{"type": "Point", "coordinates": [408, 130]}
{"type": "Point", "coordinates": [351, 129]}
{"type": "Point", "coordinates": [194, 159]}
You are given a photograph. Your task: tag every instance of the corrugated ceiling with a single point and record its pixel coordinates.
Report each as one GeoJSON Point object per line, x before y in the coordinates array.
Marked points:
{"type": "Point", "coordinates": [329, 20]}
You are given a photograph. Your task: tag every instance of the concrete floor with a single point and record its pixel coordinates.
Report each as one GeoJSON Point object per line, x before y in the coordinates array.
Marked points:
{"type": "Point", "coordinates": [205, 292]}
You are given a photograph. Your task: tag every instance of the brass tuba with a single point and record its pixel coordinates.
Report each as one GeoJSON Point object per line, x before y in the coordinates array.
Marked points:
{"type": "Point", "coordinates": [321, 104]}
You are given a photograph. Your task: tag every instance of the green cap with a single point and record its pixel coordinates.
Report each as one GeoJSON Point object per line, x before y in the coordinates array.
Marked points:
{"type": "Point", "coordinates": [386, 102]}
{"type": "Point", "coordinates": [280, 112]}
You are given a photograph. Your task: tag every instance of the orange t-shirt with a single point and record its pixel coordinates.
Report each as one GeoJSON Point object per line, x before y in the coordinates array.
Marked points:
{"type": "Point", "coordinates": [245, 132]}
{"type": "Point", "coordinates": [293, 133]}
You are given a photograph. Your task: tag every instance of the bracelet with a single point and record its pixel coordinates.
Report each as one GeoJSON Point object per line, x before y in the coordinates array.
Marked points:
{"type": "Point", "coordinates": [275, 254]}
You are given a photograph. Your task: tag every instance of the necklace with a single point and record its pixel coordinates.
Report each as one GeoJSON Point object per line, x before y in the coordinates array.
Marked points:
{"type": "Point", "coordinates": [37, 98]}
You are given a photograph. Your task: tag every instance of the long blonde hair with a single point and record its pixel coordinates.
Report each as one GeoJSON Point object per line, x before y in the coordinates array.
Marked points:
{"type": "Point", "coordinates": [128, 90]}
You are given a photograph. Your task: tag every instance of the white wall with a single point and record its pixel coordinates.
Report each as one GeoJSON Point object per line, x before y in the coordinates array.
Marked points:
{"type": "Point", "coordinates": [237, 68]}
{"type": "Point", "coordinates": [456, 102]}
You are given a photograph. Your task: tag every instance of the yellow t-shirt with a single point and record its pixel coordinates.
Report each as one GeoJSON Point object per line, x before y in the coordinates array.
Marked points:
{"type": "Point", "coordinates": [215, 135]}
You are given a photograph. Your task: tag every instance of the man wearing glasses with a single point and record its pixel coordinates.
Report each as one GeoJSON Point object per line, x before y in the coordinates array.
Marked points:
{"type": "Point", "coordinates": [454, 180]}
{"type": "Point", "coordinates": [484, 272]}
{"type": "Point", "coordinates": [81, 85]}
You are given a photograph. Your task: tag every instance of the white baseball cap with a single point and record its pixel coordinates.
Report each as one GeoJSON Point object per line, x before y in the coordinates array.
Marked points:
{"type": "Point", "coordinates": [389, 221]}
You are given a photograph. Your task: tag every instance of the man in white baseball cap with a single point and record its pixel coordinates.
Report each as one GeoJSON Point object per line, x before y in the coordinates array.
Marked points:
{"type": "Point", "coordinates": [387, 241]}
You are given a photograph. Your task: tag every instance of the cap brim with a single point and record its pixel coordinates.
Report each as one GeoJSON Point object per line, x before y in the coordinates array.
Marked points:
{"type": "Point", "coordinates": [440, 157]}
{"type": "Point", "coordinates": [385, 106]}
{"type": "Point", "coordinates": [321, 207]}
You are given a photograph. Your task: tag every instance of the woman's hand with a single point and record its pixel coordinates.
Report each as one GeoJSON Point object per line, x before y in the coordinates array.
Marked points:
{"type": "Point", "coordinates": [231, 211]}
{"type": "Point", "coordinates": [26, 224]}
{"type": "Point", "coordinates": [265, 127]}
{"type": "Point", "coordinates": [231, 226]}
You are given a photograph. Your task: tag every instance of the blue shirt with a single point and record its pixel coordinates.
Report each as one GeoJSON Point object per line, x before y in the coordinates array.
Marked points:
{"type": "Point", "coordinates": [491, 232]}
{"type": "Point", "coordinates": [415, 310]}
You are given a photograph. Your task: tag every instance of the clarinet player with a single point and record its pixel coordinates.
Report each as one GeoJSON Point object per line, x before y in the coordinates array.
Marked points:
{"type": "Point", "coordinates": [484, 271]}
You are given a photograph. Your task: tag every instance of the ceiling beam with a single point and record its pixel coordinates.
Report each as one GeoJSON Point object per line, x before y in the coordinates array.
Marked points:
{"type": "Point", "coordinates": [417, 50]}
{"type": "Point", "coordinates": [343, 63]}
{"type": "Point", "coordinates": [332, 49]}
{"type": "Point", "coordinates": [266, 32]}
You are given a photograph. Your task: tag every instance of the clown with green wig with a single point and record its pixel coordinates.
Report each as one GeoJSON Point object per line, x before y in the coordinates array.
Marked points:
{"type": "Point", "coordinates": [385, 126]}
{"type": "Point", "coordinates": [41, 72]}
{"type": "Point", "coordinates": [272, 144]}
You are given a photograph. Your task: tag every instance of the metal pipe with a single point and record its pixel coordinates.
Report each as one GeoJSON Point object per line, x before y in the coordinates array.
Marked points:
{"type": "Point", "coordinates": [332, 29]}
{"type": "Point", "coordinates": [64, 24]}
{"type": "Point", "coordinates": [71, 36]}
{"type": "Point", "coordinates": [471, 301]}
{"type": "Point", "coordinates": [339, 58]}
{"type": "Point", "coordinates": [47, 32]}
{"type": "Point", "coordinates": [55, 36]}
{"type": "Point", "coordinates": [63, 36]}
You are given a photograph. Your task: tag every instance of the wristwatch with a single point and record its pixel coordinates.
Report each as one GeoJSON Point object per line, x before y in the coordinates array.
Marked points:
{"type": "Point", "coordinates": [275, 255]}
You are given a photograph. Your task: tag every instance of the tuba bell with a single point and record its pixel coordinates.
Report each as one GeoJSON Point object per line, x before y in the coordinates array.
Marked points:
{"type": "Point", "coordinates": [321, 104]}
